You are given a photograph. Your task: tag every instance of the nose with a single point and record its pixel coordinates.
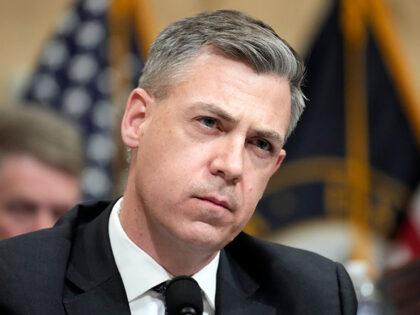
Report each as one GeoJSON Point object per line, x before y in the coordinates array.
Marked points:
{"type": "Point", "coordinates": [228, 160]}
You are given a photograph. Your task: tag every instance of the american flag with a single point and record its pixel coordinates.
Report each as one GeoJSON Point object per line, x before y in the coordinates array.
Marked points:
{"type": "Point", "coordinates": [73, 78]}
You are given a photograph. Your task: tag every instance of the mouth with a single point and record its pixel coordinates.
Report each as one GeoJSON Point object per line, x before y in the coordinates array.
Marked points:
{"type": "Point", "coordinates": [216, 201]}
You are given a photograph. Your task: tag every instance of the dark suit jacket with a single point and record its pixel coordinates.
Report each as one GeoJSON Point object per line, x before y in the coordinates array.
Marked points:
{"type": "Point", "coordinates": [70, 269]}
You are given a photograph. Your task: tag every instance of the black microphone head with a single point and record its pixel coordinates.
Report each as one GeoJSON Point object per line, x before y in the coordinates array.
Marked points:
{"type": "Point", "coordinates": [183, 297]}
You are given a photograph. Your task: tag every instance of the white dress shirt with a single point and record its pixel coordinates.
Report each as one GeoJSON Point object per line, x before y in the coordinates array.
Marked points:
{"type": "Point", "coordinates": [140, 273]}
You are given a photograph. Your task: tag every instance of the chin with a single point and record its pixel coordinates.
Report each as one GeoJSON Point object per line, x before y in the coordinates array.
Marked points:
{"type": "Point", "coordinates": [205, 237]}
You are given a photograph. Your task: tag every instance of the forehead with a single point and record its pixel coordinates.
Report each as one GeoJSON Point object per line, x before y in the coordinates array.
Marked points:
{"type": "Point", "coordinates": [25, 175]}
{"type": "Point", "coordinates": [211, 78]}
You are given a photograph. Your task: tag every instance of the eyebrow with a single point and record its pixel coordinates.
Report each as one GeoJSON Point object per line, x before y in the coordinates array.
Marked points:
{"type": "Point", "coordinates": [272, 135]}
{"type": "Point", "coordinates": [221, 113]}
{"type": "Point", "coordinates": [216, 110]}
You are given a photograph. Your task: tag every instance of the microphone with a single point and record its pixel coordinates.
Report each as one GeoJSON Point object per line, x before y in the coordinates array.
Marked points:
{"type": "Point", "coordinates": [183, 297]}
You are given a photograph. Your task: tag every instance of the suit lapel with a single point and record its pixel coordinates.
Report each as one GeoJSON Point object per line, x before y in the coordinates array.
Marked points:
{"type": "Point", "coordinates": [94, 285]}
{"type": "Point", "coordinates": [236, 290]}
{"type": "Point", "coordinates": [107, 298]}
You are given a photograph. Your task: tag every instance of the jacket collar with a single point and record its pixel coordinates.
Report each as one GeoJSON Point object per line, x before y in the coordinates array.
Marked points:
{"type": "Point", "coordinates": [236, 290]}
{"type": "Point", "coordinates": [94, 284]}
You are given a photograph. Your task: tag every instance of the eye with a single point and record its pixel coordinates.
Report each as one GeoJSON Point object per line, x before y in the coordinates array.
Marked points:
{"type": "Point", "coordinates": [263, 145]}
{"type": "Point", "coordinates": [21, 210]}
{"type": "Point", "coordinates": [209, 122]}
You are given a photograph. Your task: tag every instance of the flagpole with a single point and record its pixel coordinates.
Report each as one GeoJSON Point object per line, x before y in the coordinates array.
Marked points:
{"type": "Point", "coordinates": [124, 17]}
{"type": "Point", "coordinates": [353, 15]}
{"type": "Point", "coordinates": [384, 31]}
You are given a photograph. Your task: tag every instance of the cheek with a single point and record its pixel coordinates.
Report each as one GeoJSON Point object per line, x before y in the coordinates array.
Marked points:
{"type": "Point", "coordinates": [166, 171]}
{"type": "Point", "coordinates": [256, 182]}
{"type": "Point", "coordinates": [9, 227]}
{"type": "Point", "coordinates": [253, 190]}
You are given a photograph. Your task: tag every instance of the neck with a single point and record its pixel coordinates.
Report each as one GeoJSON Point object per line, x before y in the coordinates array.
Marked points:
{"type": "Point", "coordinates": [174, 255]}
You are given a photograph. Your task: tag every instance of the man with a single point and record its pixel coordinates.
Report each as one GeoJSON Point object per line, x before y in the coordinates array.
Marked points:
{"type": "Point", "coordinates": [40, 163]}
{"type": "Point", "coordinates": [219, 96]}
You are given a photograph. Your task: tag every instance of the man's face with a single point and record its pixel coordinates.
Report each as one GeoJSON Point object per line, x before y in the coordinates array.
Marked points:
{"type": "Point", "coordinates": [203, 155]}
{"type": "Point", "coordinates": [33, 195]}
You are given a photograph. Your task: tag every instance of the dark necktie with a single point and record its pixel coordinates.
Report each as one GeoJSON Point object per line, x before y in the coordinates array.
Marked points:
{"type": "Point", "coordinates": [161, 289]}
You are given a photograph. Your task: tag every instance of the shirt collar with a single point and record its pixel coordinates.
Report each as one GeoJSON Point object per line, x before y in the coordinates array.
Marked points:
{"type": "Point", "coordinates": [140, 272]}
{"type": "Point", "coordinates": [206, 278]}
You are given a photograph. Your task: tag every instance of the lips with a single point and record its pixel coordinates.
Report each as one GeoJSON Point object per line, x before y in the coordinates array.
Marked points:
{"type": "Point", "coordinates": [217, 201]}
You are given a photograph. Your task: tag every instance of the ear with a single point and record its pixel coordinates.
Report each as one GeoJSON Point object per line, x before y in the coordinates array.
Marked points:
{"type": "Point", "coordinates": [136, 112]}
{"type": "Point", "coordinates": [280, 160]}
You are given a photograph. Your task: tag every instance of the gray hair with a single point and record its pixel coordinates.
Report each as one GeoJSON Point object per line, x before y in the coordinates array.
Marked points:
{"type": "Point", "coordinates": [41, 134]}
{"type": "Point", "coordinates": [234, 35]}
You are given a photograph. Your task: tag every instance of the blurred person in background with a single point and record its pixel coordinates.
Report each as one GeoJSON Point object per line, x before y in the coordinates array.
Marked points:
{"type": "Point", "coordinates": [40, 163]}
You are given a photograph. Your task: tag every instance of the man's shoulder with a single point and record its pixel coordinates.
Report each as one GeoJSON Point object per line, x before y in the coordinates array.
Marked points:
{"type": "Point", "coordinates": [274, 255]}
{"type": "Point", "coordinates": [46, 251]}
{"type": "Point", "coordinates": [34, 258]}
{"type": "Point", "coordinates": [294, 280]}
{"type": "Point", "coordinates": [271, 265]}
{"type": "Point", "coordinates": [62, 231]}
{"type": "Point", "coordinates": [33, 266]}
{"type": "Point", "coordinates": [35, 245]}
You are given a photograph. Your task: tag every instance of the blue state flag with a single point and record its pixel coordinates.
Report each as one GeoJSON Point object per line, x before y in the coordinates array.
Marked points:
{"type": "Point", "coordinates": [355, 153]}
